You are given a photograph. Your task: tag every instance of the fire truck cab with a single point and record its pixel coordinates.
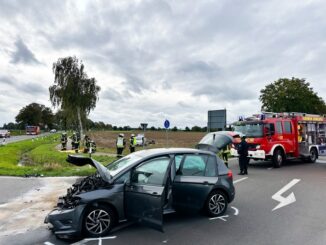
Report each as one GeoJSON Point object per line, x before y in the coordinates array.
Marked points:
{"type": "Point", "coordinates": [282, 136]}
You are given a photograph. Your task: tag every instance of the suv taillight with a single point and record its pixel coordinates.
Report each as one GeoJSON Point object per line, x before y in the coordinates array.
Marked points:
{"type": "Point", "coordinates": [230, 174]}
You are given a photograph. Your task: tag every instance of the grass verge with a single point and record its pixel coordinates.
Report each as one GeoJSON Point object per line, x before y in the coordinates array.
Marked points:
{"type": "Point", "coordinates": [40, 157]}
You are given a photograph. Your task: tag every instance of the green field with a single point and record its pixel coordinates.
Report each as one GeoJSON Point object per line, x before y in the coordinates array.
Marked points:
{"type": "Point", "coordinates": [40, 157]}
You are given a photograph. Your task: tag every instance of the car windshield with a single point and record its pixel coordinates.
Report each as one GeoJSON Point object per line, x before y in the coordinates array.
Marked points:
{"type": "Point", "coordinates": [121, 164]}
{"type": "Point", "coordinates": [249, 129]}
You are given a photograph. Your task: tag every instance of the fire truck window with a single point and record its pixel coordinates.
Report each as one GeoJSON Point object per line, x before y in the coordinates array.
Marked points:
{"type": "Point", "coordinates": [270, 129]}
{"type": "Point", "coordinates": [287, 127]}
{"type": "Point", "coordinates": [279, 128]}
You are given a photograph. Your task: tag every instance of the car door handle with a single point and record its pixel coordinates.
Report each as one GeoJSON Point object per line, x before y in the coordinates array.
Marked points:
{"type": "Point", "coordinates": [155, 193]}
{"type": "Point", "coordinates": [205, 182]}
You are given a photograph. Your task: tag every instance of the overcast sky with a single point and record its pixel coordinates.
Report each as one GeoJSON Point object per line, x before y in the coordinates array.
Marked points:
{"type": "Point", "coordinates": [161, 59]}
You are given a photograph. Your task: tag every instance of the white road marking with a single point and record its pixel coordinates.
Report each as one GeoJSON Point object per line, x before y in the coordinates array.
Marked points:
{"type": "Point", "coordinates": [220, 217]}
{"type": "Point", "coordinates": [99, 239]}
{"type": "Point", "coordinates": [285, 200]}
{"type": "Point", "coordinates": [48, 243]}
{"type": "Point", "coordinates": [236, 211]}
{"type": "Point", "coordinates": [270, 168]}
{"type": "Point", "coordinates": [321, 161]}
{"type": "Point", "coordinates": [239, 180]}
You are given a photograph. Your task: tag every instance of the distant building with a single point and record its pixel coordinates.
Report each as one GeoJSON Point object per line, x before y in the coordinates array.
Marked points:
{"type": "Point", "coordinates": [216, 120]}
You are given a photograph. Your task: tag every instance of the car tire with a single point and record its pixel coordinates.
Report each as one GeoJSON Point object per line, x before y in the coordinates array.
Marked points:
{"type": "Point", "coordinates": [216, 203]}
{"type": "Point", "coordinates": [98, 221]}
{"type": "Point", "coordinates": [278, 158]}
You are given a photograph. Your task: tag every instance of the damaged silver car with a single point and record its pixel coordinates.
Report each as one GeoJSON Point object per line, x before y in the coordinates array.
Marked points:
{"type": "Point", "coordinates": [143, 186]}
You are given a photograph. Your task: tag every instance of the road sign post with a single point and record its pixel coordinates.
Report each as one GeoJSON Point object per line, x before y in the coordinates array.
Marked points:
{"type": "Point", "coordinates": [166, 126]}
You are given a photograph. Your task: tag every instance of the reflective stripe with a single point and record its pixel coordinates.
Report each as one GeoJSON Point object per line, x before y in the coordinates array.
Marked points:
{"type": "Point", "coordinates": [120, 142]}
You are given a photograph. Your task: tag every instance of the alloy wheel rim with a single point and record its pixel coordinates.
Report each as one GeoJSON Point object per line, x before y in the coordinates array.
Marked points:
{"type": "Point", "coordinates": [216, 204]}
{"type": "Point", "coordinates": [98, 221]}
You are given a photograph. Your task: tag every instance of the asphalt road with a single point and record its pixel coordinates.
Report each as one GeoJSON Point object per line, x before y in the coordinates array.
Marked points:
{"type": "Point", "coordinates": [22, 137]}
{"type": "Point", "coordinates": [250, 218]}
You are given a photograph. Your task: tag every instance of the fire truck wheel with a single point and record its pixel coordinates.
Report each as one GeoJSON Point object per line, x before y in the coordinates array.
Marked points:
{"type": "Point", "coordinates": [313, 155]}
{"type": "Point", "coordinates": [278, 158]}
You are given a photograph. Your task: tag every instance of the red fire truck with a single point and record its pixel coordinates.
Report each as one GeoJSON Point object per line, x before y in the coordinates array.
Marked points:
{"type": "Point", "coordinates": [282, 136]}
{"type": "Point", "coordinates": [32, 130]}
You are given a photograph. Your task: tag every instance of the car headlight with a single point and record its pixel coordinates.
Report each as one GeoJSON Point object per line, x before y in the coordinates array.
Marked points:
{"type": "Point", "coordinates": [257, 147]}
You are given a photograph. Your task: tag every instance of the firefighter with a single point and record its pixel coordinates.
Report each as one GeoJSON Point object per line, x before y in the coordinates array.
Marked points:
{"type": "Point", "coordinates": [300, 133]}
{"type": "Point", "coordinates": [90, 145]}
{"type": "Point", "coordinates": [225, 153]}
{"type": "Point", "coordinates": [75, 142]}
{"type": "Point", "coordinates": [64, 141]}
{"type": "Point", "coordinates": [87, 143]}
{"type": "Point", "coordinates": [132, 143]}
{"type": "Point", "coordinates": [120, 143]}
{"type": "Point", "coordinates": [243, 156]}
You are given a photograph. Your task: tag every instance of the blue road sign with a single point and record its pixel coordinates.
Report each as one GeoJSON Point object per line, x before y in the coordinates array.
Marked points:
{"type": "Point", "coordinates": [166, 124]}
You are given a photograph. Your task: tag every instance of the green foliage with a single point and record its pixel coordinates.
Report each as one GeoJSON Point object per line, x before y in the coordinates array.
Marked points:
{"type": "Point", "coordinates": [73, 91]}
{"type": "Point", "coordinates": [35, 114]}
{"type": "Point", "coordinates": [291, 95]}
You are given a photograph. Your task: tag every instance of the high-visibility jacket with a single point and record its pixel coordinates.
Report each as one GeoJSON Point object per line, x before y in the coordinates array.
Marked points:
{"type": "Point", "coordinates": [120, 142]}
{"type": "Point", "coordinates": [133, 141]}
{"type": "Point", "coordinates": [226, 150]}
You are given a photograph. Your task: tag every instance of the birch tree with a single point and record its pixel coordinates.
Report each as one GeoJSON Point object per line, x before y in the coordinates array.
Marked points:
{"type": "Point", "coordinates": [73, 91]}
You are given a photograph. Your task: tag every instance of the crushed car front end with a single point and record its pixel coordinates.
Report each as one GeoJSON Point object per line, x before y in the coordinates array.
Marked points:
{"type": "Point", "coordinates": [66, 219]}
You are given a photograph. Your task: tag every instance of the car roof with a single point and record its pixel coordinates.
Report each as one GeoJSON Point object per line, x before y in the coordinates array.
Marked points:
{"type": "Point", "coordinates": [163, 151]}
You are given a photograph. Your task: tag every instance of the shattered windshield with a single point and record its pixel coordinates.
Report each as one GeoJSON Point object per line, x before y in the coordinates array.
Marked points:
{"type": "Point", "coordinates": [253, 129]}
{"type": "Point", "coordinates": [121, 164]}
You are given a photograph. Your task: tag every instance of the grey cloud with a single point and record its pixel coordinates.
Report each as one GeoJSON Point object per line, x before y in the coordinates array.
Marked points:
{"type": "Point", "coordinates": [7, 80]}
{"type": "Point", "coordinates": [200, 69]}
{"type": "Point", "coordinates": [111, 94]}
{"type": "Point", "coordinates": [31, 88]}
{"type": "Point", "coordinates": [26, 87]}
{"type": "Point", "coordinates": [184, 105]}
{"type": "Point", "coordinates": [23, 54]}
{"type": "Point", "coordinates": [134, 84]}
{"type": "Point", "coordinates": [225, 93]}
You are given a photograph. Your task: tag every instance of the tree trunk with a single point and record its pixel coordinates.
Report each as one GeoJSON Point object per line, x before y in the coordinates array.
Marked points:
{"type": "Point", "coordinates": [80, 126]}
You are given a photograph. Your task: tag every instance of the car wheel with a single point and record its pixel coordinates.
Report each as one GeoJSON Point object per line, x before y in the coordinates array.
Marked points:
{"type": "Point", "coordinates": [278, 158]}
{"type": "Point", "coordinates": [313, 155]}
{"type": "Point", "coordinates": [216, 203]}
{"type": "Point", "coordinates": [98, 221]}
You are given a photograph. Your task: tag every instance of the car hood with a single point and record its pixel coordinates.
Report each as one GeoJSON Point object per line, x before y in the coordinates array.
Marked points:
{"type": "Point", "coordinates": [82, 161]}
{"type": "Point", "coordinates": [215, 141]}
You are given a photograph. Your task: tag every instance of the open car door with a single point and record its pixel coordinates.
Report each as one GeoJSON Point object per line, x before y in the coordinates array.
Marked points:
{"type": "Point", "coordinates": [145, 194]}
